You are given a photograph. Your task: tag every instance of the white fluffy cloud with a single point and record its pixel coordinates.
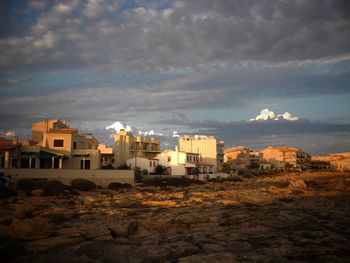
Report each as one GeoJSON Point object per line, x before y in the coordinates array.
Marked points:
{"type": "Point", "coordinates": [117, 126]}
{"type": "Point", "coordinates": [175, 134]}
{"type": "Point", "coordinates": [266, 114]}
{"type": "Point", "coordinates": [150, 133]}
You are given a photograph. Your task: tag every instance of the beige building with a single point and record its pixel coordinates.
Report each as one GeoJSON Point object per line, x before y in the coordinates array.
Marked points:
{"type": "Point", "coordinates": [183, 163]}
{"type": "Point", "coordinates": [54, 145]}
{"type": "Point", "coordinates": [143, 163]}
{"type": "Point", "coordinates": [340, 161]}
{"type": "Point", "coordinates": [238, 157]}
{"type": "Point", "coordinates": [207, 148]}
{"type": "Point", "coordinates": [107, 156]}
{"type": "Point", "coordinates": [129, 146]}
{"type": "Point", "coordinates": [294, 157]}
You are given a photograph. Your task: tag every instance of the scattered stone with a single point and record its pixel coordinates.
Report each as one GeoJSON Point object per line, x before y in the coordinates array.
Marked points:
{"type": "Point", "coordinates": [133, 227]}
{"type": "Point", "coordinates": [212, 258]}
{"type": "Point", "coordinates": [38, 192]}
{"type": "Point", "coordinates": [31, 229]}
{"type": "Point", "coordinates": [23, 211]}
{"type": "Point", "coordinates": [4, 232]}
{"type": "Point", "coordinates": [53, 243]}
{"type": "Point", "coordinates": [6, 220]}
{"type": "Point", "coordinates": [129, 203]}
{"type": "Point", "coordinates": [297, 184]}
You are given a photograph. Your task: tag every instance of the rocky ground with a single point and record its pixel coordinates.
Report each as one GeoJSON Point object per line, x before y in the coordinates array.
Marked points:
{"type": "Point", "coordinates": [285, 218]}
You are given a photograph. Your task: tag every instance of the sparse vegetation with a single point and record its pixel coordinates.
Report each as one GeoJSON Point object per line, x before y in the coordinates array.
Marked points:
{"type": "Point", "coordinates": [83, 185]}
{"type": "Point", "coordinates": [26, 185]}
{"type": "Point", "coordinates": [138, 175]}
{"type": "Point", "coordinates": [117, 185]}
{"type": "Point", "coordinates": [53, 187]}
{"type": "Point", "coordinates": [160, 170]}
{"type": "Point", "coordinates": [123, 167]}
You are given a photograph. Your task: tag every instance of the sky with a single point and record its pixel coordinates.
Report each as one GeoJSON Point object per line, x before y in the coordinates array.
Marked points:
{"type": "Point", "coordinates": [229, 68]}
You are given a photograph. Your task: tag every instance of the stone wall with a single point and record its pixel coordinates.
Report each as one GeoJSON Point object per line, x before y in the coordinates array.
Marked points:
{"type": "Point", "coordinates": [100, 177]}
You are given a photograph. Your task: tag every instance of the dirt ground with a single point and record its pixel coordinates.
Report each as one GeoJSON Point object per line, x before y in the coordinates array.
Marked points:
{"type": "Point", "coordinates": [284, 218]}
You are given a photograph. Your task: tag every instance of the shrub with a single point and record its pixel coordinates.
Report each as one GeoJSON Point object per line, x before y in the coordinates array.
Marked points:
{"type": "Point", "coordinates": [115, 186]}
{"type": "Point", "coordinates": [107, 167]}
{"type": "Point", "coordinates": [83, 184]}
{"type": "Point", "coordinates": [123, 167]}
{"type": "Point", "coordinates": [127, 186]}
{"type": "Point", "coordinates": [25, 184]}
{"type": "Point", "coordinates": [144, 172]}
{"type": "Point", "coordinates": [6, 192]}
{"type": "Point", "coordinates": [54, 187]}
{"type": "Point", "coordinates": [159, 169]}
{"type": "Point", "coordinates": [138, 175]}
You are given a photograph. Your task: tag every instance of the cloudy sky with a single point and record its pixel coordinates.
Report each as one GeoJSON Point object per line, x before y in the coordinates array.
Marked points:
{"type": "Point", "coordinates": [197, 67]}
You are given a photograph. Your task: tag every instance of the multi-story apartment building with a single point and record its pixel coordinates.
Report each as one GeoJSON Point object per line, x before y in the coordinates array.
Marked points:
{"type": "Point", "coordinates": [238, 157]}
{"type": "Point", "coordinates": [205, 146]}
{"type": "Point", "coordinates": [339, 161]}
{"type": "Point", "coordinates": [129, 146]}
{"type": "Point", "coordinates": [295, 157]}
{"type": "Point", "coordinates": [54, 145]}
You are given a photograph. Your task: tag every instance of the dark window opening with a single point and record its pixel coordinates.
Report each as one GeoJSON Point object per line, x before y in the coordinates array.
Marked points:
{"type": "Point", "coordinates": [85, 164]}
{"type": "Point", "coordinates": [57, 143]}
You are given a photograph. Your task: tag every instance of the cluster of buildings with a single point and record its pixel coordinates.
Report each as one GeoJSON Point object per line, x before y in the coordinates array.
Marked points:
{"type": "Point", "coordinates": [55, 145]}
{"type": "Point", "coordinates": [272, 157]}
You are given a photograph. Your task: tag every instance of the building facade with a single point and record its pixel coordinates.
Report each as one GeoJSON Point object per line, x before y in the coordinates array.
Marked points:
{"type": "Point", "coordinates": [54, 145]}
{"type": "Point", "coordinates": [291, 157]}
{"type": "Point", "coordinates": [205, 147]}
{"type": "Point", "coordinates": [127, 146]}
{"type": "Point", "coordinates": [338, 161]}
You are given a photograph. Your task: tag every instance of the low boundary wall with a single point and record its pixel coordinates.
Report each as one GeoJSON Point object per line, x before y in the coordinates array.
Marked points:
{"type": "Point", "coordinates": [100, 177]}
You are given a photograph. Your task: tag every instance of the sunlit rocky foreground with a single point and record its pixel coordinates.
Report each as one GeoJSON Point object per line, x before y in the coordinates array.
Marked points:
{"type": "Point", "coordinates": [285, 218]}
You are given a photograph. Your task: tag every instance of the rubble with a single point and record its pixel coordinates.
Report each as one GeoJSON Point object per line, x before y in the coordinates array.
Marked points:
{"type": "Point", "coordinates": [287, 218]}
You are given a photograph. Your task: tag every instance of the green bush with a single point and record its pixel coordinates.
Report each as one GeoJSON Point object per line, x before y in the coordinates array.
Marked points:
{"type": "Point", "coordinates": [53, 187]}
{"type": "Point", "coordinates": [123, 167]}
{"type": "Point", "coordinates": [6, 192]}
{"type": "Point", "coordinates": [144, 172]}
{"type": "Point", "coordinates": [83, 184]}
{"type": "Point", "coordinates": [115, 186]}
{"type": "Point", "coordinates": [160, 170]}
{"type": "Point", "coordinates": [138, 175]}
{"type": "Point", "coordinates": [25, 184]}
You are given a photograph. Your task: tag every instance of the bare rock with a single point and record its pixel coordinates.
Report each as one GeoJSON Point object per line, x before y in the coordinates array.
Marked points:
{"type": "Point", "coordinates": [53, 242]}
{"type": "Point", "coordinates": [6, 220]}
{"type": "Point", "coordinates": [255, 198]}
{"type": "Point", "coordinates": [4, 232]}
{"type": "Point", "coordinates": [129, 203]}
{"type": "Point", "coordinates": [38, 192]}
{"type": "Point", "coordinates": [31, 229]}
{"type": "Point", "coordinates": [119, 230]}
{"type": "Point", "coordinates": [297, 184]}
{"type": "Point", "coordinates": [23, 211]}
{"type": "Point", "coordinates": [211, 258]}
{"type": "Point", "coordinates": [95, 232]}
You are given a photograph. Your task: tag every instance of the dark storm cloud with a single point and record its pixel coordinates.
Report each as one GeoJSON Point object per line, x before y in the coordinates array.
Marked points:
{"type": "Point", "coordinates": [186, 34]}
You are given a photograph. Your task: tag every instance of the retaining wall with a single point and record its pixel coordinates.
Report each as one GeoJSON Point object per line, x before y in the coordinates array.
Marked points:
{"type": "Point", "coordinates": [100, 177]}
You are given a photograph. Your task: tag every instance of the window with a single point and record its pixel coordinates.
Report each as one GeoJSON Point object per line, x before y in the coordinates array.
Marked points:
{"type": "Point", "coordinates": [74, 145]}
{"type": "Point", "coordinates": [85, 164]}
{"type": "Point", "coordinates": [169, 159]}
{"type": "Point", "coordinates": [58, 143]}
